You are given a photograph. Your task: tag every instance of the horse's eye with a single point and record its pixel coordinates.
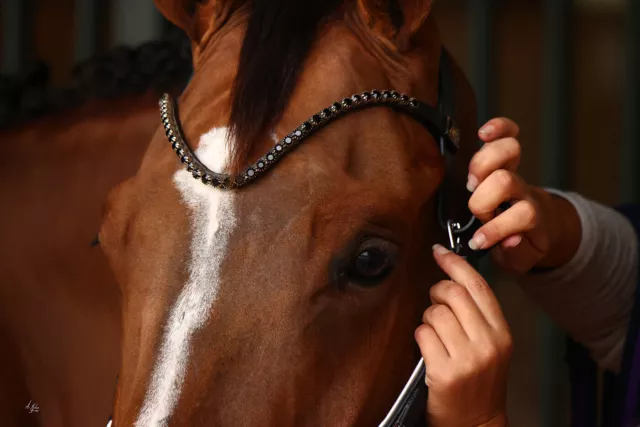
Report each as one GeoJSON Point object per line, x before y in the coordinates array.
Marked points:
{"type": "Point", "coordinates": [373, 262]}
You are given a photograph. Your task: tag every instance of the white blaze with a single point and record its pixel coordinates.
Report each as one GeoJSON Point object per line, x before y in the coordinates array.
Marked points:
{"type": "Point", "coordinates": [212, 221]}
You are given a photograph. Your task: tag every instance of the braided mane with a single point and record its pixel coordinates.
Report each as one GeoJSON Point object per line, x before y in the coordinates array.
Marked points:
{"type": "Point", "coordinates": [158, 66]}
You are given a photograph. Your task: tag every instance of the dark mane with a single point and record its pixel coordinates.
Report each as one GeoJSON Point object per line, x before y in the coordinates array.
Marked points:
{"type": "Point", "coordinates": [159, 66]}
{"type": "Point", "coordinates": [279, 35]}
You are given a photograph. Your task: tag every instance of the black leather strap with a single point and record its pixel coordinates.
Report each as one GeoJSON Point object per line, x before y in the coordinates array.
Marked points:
{"type": "Point", "coordinates": [409, 409]}
{"type": "Point", "coordinates": [446, 105]}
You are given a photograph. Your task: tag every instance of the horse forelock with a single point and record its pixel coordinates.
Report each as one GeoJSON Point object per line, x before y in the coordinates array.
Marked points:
{"type": "Point", "coordinates": [278, 38]}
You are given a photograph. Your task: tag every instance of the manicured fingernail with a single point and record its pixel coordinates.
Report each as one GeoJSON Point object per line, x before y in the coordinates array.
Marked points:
{"type": "Point", "coordinates": [472, 183]}
{"type": "Point", "coordinates": [486, 130]}
{"type": "Point", "coordinates": [477, 242]}
{"type": "Point", "coordinates": [512, 241]}
{"type": "Point", "coordinates": [440, 250]}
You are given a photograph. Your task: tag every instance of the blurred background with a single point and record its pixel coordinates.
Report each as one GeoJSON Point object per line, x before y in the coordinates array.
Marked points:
{"type": "Point", "coordinates": [565, 70]}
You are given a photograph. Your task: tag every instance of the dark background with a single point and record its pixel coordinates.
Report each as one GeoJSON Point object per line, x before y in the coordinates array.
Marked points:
{"type": "Point", "coordinates": [566, 71]}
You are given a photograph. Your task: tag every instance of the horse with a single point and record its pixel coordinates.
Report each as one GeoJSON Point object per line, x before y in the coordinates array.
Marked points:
{"type": "Point", "coordinates": [64, 150]}
{"type": "Point", "coordinates": [274, 272]}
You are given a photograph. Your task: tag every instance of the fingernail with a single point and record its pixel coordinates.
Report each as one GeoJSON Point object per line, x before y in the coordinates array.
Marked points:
{"type": "Point", "coordinates": [486, 130]}
{"type": "Point", "coordinates": [472, 183]}
{"type": "Point", "coordinates": [477, 242]}
{"type": "Point", "coordinates": [512, 241]}
{"type": "Point", "coordinates": [440, 250]}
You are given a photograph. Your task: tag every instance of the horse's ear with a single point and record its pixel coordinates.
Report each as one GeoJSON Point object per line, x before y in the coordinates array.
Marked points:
{"type": "Point", "coordinates": [395, 20]}
{"type": "Point", "coordinates": [195, 17]}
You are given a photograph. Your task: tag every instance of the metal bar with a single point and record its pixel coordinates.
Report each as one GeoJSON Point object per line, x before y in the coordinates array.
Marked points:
{"type": "Point", "coordinates": [555, 172]}
{"type": "Point", "coordinates": [630, 149]}
{"type": "Point", "coordinates": [481, 60]}
{"type": "Point", "coordinates": [15, 34]}
{"type": "Point", "coordinates": [556, 106]}
{"type": "Point", "coordinates": [86, 28]}
{"type": "Point", "coordinates": [134, 22]}
{"type": "Point", "coordinates": [481, 51]}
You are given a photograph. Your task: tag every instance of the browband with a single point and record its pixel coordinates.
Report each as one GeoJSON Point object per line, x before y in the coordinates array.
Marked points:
{"type": "Point", "coordinates": [430, 117]}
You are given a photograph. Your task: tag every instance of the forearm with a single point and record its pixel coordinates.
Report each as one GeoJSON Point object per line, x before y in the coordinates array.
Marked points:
{"type": "Point", "coordinates": [590, 294]}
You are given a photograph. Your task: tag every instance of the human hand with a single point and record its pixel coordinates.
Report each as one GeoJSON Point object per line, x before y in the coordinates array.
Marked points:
{"type": "Point", "coordinates": [539, 229]}
{"type": "Point", "coordinates": [466, 345]}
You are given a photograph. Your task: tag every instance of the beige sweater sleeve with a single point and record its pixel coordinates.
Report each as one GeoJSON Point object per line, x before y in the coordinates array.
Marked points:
{"type": "Point", "coordinates": [592, 296]}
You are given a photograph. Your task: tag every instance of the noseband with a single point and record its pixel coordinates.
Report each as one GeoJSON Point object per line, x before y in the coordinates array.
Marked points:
{"type": "Point", "coordinates": [409, 408]}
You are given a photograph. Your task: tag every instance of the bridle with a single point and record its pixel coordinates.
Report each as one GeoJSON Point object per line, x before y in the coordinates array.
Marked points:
{"type": "Point", "coordinates": [409, 408]}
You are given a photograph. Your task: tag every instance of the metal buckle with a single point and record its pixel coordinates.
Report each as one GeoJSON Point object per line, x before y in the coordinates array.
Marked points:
{"type": "Point", "coordinates": [454, 240]}
{"type": "Point", "coordinates": [453, 134]}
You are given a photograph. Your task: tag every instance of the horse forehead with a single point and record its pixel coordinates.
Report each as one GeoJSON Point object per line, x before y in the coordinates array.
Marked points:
{"type": "Point", "coordinates": [214, 148]}
{"type": "Point", "coordinates": [212, 221]}
{"type": "Point", "coordinates": [214, 151]}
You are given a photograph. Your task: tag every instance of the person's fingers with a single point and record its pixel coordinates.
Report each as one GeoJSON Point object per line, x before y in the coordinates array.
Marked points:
{"type": "Point", "coordinates": [500, 127]}
{"type": "Point", "coordinates": [433, 351]}
{"type": "Point", "coordinates": [519, 218]}
{"type": "Point", "coordinates": [461, 272]}
{"type": "Point", "coordinates": [501, 154]}
{"type": "Point", "coordinates": [458, 299]}
{"type": "Point", "coordinates": [511, 241]}
{"type": "Point", "coordinates": [444, 322]}
{"type": "Point", "coordinates": [499, 187]}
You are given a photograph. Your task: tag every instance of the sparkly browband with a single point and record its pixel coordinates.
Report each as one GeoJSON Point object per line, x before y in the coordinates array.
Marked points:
{"type": "Point", "coordinates": [439, 125]}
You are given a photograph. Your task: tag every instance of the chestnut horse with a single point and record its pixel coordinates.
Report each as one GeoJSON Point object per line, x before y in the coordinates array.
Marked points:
{"type": "Point", "coordinates": [59, 302]}
{"type": "Point", "coordinates": [292, 300]}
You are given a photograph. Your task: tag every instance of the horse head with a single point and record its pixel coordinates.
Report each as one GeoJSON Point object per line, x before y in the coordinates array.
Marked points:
{"type": "Point", "coordinates": [275, 272]}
